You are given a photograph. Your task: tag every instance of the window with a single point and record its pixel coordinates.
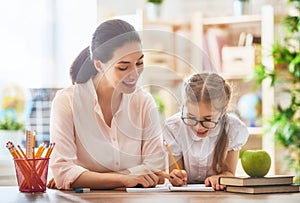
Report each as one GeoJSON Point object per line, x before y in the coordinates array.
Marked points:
{"type": "Point", "coordinates": [39, 40]}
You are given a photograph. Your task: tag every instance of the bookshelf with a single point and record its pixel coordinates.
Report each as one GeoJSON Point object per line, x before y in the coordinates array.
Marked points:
{"type": "Point", "coordinates": [166, 49]}
{"type": "Point", "coordinates": [261, 25]}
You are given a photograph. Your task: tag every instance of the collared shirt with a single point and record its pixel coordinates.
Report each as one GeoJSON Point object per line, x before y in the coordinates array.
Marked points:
{"type": "Point", "coordinates": [85, 142]}
{"type": "Point", "coordinates": [197, 153]}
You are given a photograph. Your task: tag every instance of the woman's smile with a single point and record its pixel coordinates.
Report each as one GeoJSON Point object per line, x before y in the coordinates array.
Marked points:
{"type": "Point", "coordinates": [130, 84]}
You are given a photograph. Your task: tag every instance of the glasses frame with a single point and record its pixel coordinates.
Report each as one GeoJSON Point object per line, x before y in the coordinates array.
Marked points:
{"type": "Point", "coordinates": [199, 121]}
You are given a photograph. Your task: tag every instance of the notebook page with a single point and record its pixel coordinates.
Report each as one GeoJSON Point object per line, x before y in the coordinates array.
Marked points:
{"type": "Point", "coordinates": [191, 187]}
{"type": "Point", "coordinates": [158, 188]}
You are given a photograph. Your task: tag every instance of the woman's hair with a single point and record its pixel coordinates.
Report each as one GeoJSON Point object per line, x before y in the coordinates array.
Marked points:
{"type": "Point", "coordinates": [210, 88]}
{"type": "Point", "coordinates": [109, 36]}
{"type": "Point", "coordinates": [83, 59]}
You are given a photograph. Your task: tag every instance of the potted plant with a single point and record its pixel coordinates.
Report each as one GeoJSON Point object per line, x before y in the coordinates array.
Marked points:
{"type": "Point", "coordinates": [240, 7]}
{"type": "Point", "coordinates": [11, 116]}
{"type": "Point", "coordinates": [160, 105]}
{"type": "Point", "coordinates": [285, 78]}
{"type": "Point", "coordinates": [153, 9]}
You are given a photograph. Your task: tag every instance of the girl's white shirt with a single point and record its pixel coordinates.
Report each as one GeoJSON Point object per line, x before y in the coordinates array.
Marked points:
{"type": "Point", "coordinates": [197, 153]}
{"type": "Point", "coordinates": [85, 142]}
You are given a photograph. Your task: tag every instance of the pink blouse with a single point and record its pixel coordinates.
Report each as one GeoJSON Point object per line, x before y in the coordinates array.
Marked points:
{"type": "Point", "coordinates": [85, 142]}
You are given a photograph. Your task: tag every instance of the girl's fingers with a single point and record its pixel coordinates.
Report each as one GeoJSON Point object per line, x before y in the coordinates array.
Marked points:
{"type": "Point", "coordinates": [207, 182]}
{"type": "Point", "coordinates": [176, 181]}
{"type": "Point", "coordinates": [214, 183]}
{"type": "Point", "coordinates": [181, 174]}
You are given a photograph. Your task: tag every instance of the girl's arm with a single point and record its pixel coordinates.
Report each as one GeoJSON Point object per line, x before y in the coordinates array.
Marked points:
{"type": "Point", "coordinates": [231, 160]}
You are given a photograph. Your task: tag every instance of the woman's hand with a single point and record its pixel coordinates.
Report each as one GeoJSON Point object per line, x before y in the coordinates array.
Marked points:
{"type": "Point", "coordinates": [51, 184]}
{"type": "Point", "coordinates": [213, 181]}
{"type": "Point", "coordinates": [145, 180]}
{"type": "Point", "coordinates": [178, 177]}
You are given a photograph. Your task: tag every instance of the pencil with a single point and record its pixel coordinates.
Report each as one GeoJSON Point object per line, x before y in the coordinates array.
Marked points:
{"type": "Point", "coordinates": [172, 157]}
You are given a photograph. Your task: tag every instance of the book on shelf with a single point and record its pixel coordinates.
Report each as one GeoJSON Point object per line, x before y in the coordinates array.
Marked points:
{"type": "Point", "coordinates": [263, 189]}
{"type": "Point", "coordinates": [168, 187]}
{"type": "Point", "coordinates": [256, 181]}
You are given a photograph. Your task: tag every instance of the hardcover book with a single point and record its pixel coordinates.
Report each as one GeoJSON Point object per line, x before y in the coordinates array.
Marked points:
{"type": "Point", "coordinates": [256, 181]}
{"type": "Point", "coordinates": [263, 189]}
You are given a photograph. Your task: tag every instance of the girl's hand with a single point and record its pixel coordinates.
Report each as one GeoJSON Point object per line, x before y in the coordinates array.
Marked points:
{"type": "Point", "coordinates": [145, 180]}
{"type": "Point", "coordinates": [213, 181]}
{"type": "Point", "coordinates": [178, 177]}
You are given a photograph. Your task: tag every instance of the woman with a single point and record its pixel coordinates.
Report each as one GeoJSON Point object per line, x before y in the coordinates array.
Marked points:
{"type": "Point", "coordinates": [204, 138]}
{"type": "Point", "coordinates": [107, 133]}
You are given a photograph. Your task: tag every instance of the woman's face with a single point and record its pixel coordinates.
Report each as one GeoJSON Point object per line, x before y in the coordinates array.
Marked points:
{"type": "Point", "coordinates": [201, 112]}
{"type": "Point", "coordinates": [124, 69]}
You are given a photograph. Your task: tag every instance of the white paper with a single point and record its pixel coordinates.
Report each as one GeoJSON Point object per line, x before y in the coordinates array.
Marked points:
{"type": "Point", "coordinates": [169, 188]}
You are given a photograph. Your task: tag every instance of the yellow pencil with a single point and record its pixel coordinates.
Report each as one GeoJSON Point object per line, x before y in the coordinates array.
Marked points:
{"type": "Point", "coordinates": [172, 157]}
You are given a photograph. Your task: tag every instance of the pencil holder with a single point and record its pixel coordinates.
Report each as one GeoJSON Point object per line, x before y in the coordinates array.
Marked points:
{"type": "Point", "coordinates": [32, 174]}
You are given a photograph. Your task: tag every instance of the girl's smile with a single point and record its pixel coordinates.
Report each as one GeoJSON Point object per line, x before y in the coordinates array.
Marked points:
{"type": "Point", "coordinates": [202, 133]}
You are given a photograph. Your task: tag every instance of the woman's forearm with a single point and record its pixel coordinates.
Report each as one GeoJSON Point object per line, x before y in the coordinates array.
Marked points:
{"type": "Point", "coordinates": [96, 180]}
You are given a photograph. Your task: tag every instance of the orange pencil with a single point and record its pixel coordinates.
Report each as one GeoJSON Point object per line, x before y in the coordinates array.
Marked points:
{"type": "Point", "coordinates": [40, 150]}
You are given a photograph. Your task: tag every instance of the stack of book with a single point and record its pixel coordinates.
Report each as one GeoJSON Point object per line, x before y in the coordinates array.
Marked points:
{"type": "Point", "coordinates": [260, 185]}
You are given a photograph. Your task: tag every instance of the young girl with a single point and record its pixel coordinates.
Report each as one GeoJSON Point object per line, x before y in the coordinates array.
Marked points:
{"type": "Point", "coordinates": [204, 138]}
{"type": "Point", "coordinates": [107, 133]}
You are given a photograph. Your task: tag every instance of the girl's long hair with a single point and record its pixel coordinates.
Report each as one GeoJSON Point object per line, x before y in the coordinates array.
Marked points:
{"type": "Point", "coordinates": [210, 88]}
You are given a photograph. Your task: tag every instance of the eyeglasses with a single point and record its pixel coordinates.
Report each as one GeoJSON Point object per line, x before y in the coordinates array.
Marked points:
{"type": "Point", "coordinates": [190, 121]}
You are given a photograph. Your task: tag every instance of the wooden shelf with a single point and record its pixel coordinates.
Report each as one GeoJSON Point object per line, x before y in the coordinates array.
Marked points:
{"type": "Point", "coordinates": [255, 130]}
{"type": "Point", "coordinates": [231, 20]}
{"type": "Point", "coordinates": [234, 76]}
{"type": "Point", "coordinates": [175, 26]}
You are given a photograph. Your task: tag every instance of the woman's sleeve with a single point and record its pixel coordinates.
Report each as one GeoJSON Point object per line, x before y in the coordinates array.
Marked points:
{"type": "Point", "coordinates": [62, 160]}
{"type": "Point", "coordinates": [238, 134]}
{"type": "Point", "coordinates": [153, 154]}
{"type": "Point", "coordinates": [169, 133]}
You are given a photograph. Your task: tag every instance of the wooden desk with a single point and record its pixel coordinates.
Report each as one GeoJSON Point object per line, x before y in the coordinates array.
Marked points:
{"type": "Point", "coordinates": [11, 194]}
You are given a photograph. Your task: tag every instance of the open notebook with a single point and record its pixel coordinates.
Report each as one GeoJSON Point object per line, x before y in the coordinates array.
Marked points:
{"type": "Point", "coordinates": [168, 187]}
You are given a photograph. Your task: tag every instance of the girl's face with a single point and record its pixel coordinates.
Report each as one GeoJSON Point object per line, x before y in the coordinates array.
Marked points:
{"type": "Point", "coordinates": [124, 69]}
{"type": "Point", "coordinates": [202, 112]}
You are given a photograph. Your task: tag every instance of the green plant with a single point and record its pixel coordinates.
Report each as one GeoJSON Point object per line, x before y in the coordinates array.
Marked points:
{"type": "Point", "coordinates": [160, 104]}
{"type": "Point", "coordinates": [12, 107]}
{"type": "Point", "coordinates": [9, 123]}
{"type": "Point", "coordinates": [285, 121]}
{"type": "Point", "coordinates": [155, 1]}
